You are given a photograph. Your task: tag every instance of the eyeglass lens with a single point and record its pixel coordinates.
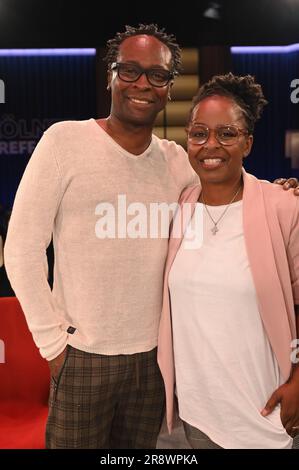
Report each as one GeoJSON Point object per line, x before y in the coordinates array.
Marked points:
{"type": "Point", "coordinates": [224, 134]}
{"type": "Point", "coordinates": [131, 73]}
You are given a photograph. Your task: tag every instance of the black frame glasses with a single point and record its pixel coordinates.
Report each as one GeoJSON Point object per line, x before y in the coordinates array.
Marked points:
{"type": "Point", "coordinates": [130, 73]}
{"type": "Point", "coordinates": [199, 134]}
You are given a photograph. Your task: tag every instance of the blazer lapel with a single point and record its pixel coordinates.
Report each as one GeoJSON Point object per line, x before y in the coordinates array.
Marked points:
{"type": "Point", "coordinates": [264, 271]}
{"type": "Point", "coordinates": [165, 347]}
{"type": "Point", "coordinates": [183, 218]}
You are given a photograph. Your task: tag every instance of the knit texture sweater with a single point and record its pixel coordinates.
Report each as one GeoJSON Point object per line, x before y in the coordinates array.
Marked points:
{"type": "Point", "coordinates": [81, 188]}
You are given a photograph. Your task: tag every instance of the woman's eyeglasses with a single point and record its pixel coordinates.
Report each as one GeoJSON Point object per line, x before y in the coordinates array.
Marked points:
{"type": "Point", "coordinates": [225, 135]}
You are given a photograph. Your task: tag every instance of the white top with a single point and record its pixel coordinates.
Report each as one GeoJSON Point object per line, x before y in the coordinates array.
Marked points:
{"type": "Point", "coordinates": [109, 289]}
{"type": "Point", "coordinates": [225, 367]}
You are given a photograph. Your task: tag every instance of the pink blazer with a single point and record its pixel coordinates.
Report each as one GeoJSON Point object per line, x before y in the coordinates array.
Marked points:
{"type": "Point", "coordinates": [271, 232]}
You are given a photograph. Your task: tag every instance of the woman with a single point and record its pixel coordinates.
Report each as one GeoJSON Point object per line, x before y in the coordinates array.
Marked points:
{"type": "Point", "coordinates": [229, 306]}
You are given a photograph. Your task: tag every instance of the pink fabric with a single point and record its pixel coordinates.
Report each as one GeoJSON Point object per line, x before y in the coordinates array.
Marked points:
{"type": "Point", "coordinates": [271, 231]}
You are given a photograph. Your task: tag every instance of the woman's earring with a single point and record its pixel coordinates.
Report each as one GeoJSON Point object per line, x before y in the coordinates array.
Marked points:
{"type": "Point", "coordinates": [108, 86]}
{"type": "Point", "coordinates": [169, 97]}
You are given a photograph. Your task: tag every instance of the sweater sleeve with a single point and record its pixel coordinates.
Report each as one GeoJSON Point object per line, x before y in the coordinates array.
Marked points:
{"type": "Point", "coordinates": [293, 249]}
{"type": "Point", "coordinates": [29, 234]}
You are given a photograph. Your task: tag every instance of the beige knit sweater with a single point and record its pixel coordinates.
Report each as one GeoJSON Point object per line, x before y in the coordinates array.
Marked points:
{"type": "Point", "coordinates": [107, 284]}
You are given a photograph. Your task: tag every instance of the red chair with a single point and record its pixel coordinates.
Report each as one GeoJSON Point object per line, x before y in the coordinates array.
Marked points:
{"type": "Point", "coordinates": [24, 382]}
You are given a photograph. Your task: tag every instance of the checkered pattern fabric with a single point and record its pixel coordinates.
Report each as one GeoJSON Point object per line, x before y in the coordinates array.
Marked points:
{"type": "Point", "coordinates": [105, 402]}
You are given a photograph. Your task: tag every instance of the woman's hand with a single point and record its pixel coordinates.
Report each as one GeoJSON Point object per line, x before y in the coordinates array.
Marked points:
{"type": "Point", "coordinates": [288, 397]}
{"type": "Point", "coordinates": [288, 184]}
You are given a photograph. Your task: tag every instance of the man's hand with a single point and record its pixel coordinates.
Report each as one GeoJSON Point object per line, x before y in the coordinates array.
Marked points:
{"type": "Point", "coordinates": [288, 397]}
{"type": "Point", "coordinates": [56, 364]}
{"type": "Point", "coordinates": [288, 184]}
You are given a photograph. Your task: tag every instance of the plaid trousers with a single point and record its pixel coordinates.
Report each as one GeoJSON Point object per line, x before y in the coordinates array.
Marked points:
{"type": "Point", "coordinates": [106, 402]}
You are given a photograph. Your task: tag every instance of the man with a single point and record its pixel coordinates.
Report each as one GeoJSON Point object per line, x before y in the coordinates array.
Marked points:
{"type": "Point", "coordinates": [98, 328]}
{"type": "Point", "coordinates": [106, 387]}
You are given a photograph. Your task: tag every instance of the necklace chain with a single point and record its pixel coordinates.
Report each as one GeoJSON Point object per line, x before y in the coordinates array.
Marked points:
{"type": "Point", "coordinates": [215, 229]}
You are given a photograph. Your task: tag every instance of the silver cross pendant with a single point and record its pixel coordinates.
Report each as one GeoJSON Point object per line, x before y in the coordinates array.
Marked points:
{"type": "Point", "coordinates": [214, 230]}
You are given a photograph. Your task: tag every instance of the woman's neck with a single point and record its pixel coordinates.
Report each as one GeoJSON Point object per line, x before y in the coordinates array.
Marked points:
{"type": "Point", "coordinates": [220, 194]}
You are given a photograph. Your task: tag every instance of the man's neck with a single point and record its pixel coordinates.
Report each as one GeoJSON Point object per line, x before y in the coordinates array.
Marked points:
{"type": "Point", "coordinates": [134, 139]}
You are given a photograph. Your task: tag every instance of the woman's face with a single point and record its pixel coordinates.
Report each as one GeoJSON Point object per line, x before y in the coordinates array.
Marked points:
{"type": "Point", "coordinates": [213, 161]}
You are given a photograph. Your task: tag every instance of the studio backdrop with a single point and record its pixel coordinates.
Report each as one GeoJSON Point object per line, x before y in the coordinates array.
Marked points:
{"type": "Point", "coordinates": [39, 88]}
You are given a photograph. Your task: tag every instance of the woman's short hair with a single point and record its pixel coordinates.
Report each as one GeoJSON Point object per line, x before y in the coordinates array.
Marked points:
{"type": "Point", "coordinates": [246, 93]}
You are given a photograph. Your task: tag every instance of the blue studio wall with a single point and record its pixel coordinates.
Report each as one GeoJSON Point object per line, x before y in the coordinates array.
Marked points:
{"type": "Point", "coordinates": [274, 68]}
{"type": "Point", "coordinates": [39, 90]}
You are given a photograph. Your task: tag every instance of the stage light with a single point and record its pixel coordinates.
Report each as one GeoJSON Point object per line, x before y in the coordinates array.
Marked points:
{"type": "Point", "coordinates": [264, 49]}
{"type": "Point", "coordinates": [46, 52]}
{"type": "Point", "coordinates": [213, 11]}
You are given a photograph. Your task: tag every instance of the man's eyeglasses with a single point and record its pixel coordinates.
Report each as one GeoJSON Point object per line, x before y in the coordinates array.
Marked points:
{"type": "Point", "coordinates": [131, 73]}
{"type": "Point", "coordinates": [226, 135]}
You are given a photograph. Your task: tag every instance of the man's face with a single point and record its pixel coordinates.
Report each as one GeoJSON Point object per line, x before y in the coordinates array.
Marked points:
{"type": "Point", "coordinates": [138, 103]}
